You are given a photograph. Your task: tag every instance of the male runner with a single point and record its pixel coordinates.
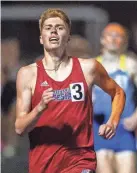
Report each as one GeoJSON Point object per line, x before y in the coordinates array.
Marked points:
{"type": "Point", "coordinates": [54, 103]}
{"type": "Point", "coordinates": [114, 56]}
{"type": "Point", "coordinates": [123, 143]}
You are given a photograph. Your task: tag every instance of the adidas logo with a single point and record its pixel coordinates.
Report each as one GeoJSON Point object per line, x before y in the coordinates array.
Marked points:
{"type": "Point", "coordinates": [45, 83]}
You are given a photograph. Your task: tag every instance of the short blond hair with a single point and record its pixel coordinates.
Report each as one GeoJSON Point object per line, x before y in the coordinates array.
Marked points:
{"type": "Point", "coordinates": [54, 12]}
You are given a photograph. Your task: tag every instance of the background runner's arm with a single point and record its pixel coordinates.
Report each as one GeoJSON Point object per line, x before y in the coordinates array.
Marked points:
{"type": "Point", "coordinates": [131, 65]}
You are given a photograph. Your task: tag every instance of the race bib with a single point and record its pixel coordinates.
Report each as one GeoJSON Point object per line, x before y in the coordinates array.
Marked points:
{"type": "Point", "coordinates": [77, 92]}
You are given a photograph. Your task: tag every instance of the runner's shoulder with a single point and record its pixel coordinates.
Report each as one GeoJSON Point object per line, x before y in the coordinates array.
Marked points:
{"type": "Point", "coordinates": [27, 71]}
{"type": "Point", "coordinates": [88, 61]}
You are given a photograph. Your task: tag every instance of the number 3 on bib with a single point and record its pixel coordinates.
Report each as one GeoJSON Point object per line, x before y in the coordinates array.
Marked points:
{"type": "Point", "coordinates": [77, 92]}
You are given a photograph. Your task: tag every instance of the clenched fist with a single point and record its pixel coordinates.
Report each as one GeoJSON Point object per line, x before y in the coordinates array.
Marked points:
{"type": "Point", "coordinates": [47, 96]}
{"type": "Point", "coordinates": [107, 131]}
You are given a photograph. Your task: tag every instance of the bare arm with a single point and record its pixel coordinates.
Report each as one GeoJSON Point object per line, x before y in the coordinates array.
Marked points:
{"type": "Point", "coordinates": [131, 64]}
{"type": "Point", "coordinates": [117, 94]}
{"type": "Point", "coordinates": [130, 123]}
{"type": "Point", "coordinates": [25, 117]}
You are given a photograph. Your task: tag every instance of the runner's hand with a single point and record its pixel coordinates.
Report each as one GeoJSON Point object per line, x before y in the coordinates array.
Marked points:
{"type": "Point", "coordinates": [47, 97]}
{"type": "Point", "coordinates": [107, 131]}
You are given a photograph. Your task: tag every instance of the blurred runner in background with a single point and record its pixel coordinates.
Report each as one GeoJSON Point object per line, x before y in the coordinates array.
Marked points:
{"type": "Point", "coordinates": [114, 56]}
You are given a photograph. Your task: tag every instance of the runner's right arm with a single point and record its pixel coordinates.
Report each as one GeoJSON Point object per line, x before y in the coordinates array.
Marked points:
{"type": "Point", "coordinates": [25, 117]}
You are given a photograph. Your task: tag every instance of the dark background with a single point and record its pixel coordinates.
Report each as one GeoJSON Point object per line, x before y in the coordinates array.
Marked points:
{"type": "Point", "coordinates": [123, 12]}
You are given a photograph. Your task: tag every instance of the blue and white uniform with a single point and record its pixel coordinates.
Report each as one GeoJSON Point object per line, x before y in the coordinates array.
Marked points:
{"type": "Point", "coordinates": [123, 140]}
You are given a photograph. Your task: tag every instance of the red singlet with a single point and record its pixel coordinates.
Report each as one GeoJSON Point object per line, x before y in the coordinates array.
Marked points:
{"type": "Point", "coordinates": [62, 140]}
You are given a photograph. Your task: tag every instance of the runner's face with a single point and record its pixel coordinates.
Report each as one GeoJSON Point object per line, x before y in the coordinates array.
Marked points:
{"type": "Point", "coordinates": [54, 34]}
{"type": "Point", "coordinates": [113, 41]}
